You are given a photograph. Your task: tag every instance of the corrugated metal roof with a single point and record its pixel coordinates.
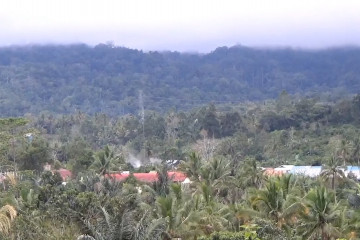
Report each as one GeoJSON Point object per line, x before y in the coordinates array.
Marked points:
{"type": "Point", "coordinates": [314, 171]}
{"type": "Point", "coordinates": [355, 170]}
{"type": "Point", "coordinates": [299, 170]}
{"type": "Point", "coordinates": [310, 171]}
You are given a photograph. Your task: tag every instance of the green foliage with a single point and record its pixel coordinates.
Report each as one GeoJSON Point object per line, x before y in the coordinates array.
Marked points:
{"type": "Point", "coordinates": [11, 123]}
{"type": "Point", "coordinates": [221, 149]}
{"type": "Point", "coordinates": [34, 155]}
{"type": "Point", "coordinates": [50, 178]}
{"type": "Point", "coordinates": [192, 166]}
{"type": "Point", "coordinates": [162, 186]}
{"type": "Point", "coordinates": [39, 78]}
{"type": "Point", "coordinates": [249, 233]}
{"type": "Point", "coordinates": [253, 130]}
{"type": "Point", "coordinates": [320, 214]}
{"type": "Point", "coordinates": [106, 160]}
{"type": "Point", "coordinates": [11, 130]}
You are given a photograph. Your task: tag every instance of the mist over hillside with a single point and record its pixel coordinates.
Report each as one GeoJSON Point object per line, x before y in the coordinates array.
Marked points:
{"type": "Point", "coordinates": [109, 79]}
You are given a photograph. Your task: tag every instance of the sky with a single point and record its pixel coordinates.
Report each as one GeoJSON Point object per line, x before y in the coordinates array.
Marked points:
{"type": "Point", "coordinates": [182, 25]}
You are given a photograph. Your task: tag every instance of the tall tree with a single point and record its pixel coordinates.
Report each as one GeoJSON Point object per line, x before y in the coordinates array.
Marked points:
{"type": "Point", "coordinates": [251, 174]}
{"type": "Point", "coordinates": [332, 171]}
{"type": "Point", "coordinates": [321, 211]}
{"type": "Point", "coordinates": [192, 166]}
{"type": "Point", "coordinates": [356, 151]}
{"type": "Point", "coordinates": [343, 152]}
{"type": "Point", "coordinates": [106, 160]}
{"type": "Point", "coordinates": [34, 155]}
{"type": "Point", "coordinates": [279, 200]}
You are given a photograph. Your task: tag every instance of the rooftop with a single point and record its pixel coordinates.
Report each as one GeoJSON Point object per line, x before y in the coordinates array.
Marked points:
{"type": "Point", "coordinates": [148, 177]}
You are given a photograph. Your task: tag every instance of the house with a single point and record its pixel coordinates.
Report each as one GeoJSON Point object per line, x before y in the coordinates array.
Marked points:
{"type": "Point", "coordinates": [279, 171]}
{"type": "Point", "coordinates": [309, 171]}
{"type": "Point", "coordinates": [353, 170]}
{"type": "Point", "coordinates": [314, 171]}
{"type": "Point", "coordinates": [284, 168]}
{"type": "Point", "coordinates": [272, 172]}
{"type": "Point", "coordinates": [64, 173]}
{"type": "Point", "coordinates": [149, 177]}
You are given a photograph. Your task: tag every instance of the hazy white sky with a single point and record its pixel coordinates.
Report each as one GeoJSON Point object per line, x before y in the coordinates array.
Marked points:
{"type": "Point", "coordinates": [183, 25]}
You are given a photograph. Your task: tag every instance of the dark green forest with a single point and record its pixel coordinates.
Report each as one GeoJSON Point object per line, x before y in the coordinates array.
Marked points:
{"type": "Point", "coordinates": [109, 79]}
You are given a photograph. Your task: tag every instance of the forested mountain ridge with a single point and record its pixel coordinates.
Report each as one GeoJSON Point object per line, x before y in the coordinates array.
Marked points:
{"type": "Point", "coordinates": [104, 78]}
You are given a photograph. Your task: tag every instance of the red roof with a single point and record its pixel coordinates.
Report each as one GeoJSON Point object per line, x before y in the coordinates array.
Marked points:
{"type": "Point", "coordinates": [118, 176]}
{"type": "Point", "coordinates": [64, 173]}
{"type": "Point", "coordinates": [148, 177]}
{"type": "Point", "coordinates": [177, 176]}
{"type": "Point", "coordinates": [273, 172]}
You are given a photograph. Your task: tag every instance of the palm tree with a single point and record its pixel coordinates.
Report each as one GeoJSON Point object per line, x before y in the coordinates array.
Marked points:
{"type": "Point", "coordinates": [162, 186]}
{"type": "Point", "coordinates": [213, 215]}
{"type": "Point", "coordinates": [192, 215]}
{"type": "Point", "coordinates": [217, 174]}
{"type": "Point", "coordinates": [356, 150]}
{"type": "Point", "coordinates": [353, 224]}
{"type": "Point", "coordinates": [320, 214]}
{"type": "Point", "coordinates": [182, 216]}
{"type": "Point", "coordinates": [105, 160]}
{"type": "Point", "coordinates": [279, 201]}
{"type": "Point", "coordinates": [332, 171]}
{"type": "Point", "coordinates": [219, 169]}
{"type": "Point", "coordinates": [192, 166]}
{"type": "Point", "coordinates": [344, 151]}
{"type": "Point", "coordinates": [252, 175]}
{"type": "Point", "coordinates": [7, 215]}
{"type": "Point", "coordinates": [148, 229]}
{"type": "Point", "coordinates": [239, 213]}
{"type": "Point", "coordinates": [109, 227]}
{"type": "Point", "coordinates": [214, 218]}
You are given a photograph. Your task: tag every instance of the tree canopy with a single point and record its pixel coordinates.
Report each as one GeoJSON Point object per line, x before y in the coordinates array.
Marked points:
{"type": "Point", "coordinates": [105, 78]}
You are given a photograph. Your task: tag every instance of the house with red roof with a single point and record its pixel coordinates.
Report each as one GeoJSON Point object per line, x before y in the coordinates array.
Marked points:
{"type": "Point", "coordinates": [64, 173]}
{"type": "Point", "coordinates": [149, 177]}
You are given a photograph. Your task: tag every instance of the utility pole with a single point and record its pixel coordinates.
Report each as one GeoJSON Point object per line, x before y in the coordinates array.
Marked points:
{"type": "Point", "coordinates": [142, 119]}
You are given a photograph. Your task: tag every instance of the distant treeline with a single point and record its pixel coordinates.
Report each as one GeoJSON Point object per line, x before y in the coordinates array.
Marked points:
{"type": "Point", "coordinates": [283, 131]}
{"type": "Point", "coordinates": [109, 79]}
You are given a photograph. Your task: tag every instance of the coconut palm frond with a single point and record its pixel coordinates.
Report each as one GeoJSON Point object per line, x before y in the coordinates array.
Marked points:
{"type": "Point", "coordinates": [7, 215]}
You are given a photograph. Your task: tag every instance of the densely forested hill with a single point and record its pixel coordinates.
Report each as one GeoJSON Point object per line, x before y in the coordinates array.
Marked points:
{"type": "Point", "coordinates": [108, 79]}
